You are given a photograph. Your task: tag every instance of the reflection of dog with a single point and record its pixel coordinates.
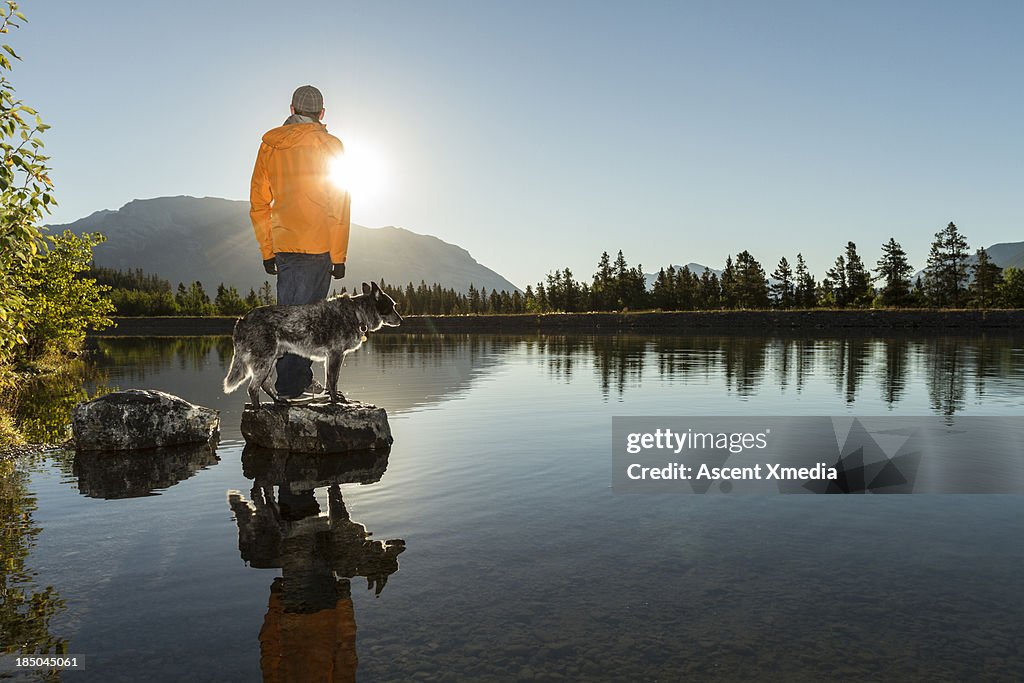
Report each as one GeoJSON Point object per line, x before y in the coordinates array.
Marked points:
{"type": "Point", "coordinates": [327, 330]}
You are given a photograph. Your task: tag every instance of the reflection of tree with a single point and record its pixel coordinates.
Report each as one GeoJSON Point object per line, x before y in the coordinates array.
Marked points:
{"type": "Point", "coordinates": [804, 349]}
{"type": "Point", "coordinates": [619, 362]}
{"type": "Point", "coordinates": [562, 354]}
{"type": "Point", "coordinates": [25, 612]}
{"type": "Point", "coordinates": [858, 350]}
{"type": "Point", "coordinates": [743, 360]}
{"type": "Point", "coordinates": [139, 355]}
{"type": "Point", "coordinates": [309, 631]}
{"type": "Point", "coordinates": [781, 358]}
{"type": "Point", "coordinates": [895, 362]}
{"type": "Point", "coordinates": [945, 375]}
{"type": "Point", "coordinates": [44, 402]}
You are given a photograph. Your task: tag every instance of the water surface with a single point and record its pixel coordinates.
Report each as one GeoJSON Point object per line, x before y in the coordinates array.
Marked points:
{"type": "Point", "coordinates": [487, 544]}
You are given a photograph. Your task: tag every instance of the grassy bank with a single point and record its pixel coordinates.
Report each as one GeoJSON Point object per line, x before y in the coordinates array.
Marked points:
{"type": "Point", "coordinates": [638, 321]}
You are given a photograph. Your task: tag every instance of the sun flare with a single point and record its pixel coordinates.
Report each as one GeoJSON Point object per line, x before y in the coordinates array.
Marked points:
{"type": "Point", "coordinates": [360, 170]}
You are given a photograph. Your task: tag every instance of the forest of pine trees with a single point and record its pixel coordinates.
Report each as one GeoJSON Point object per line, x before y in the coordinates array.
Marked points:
{"type": "Point", "coordinates": [616, 286]}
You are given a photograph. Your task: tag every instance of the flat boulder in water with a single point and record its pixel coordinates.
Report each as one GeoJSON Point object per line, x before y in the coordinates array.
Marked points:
{"type": "Point", "coordinates": [141, 418]}
{"type": "Point", "coordinates": [317, 427]}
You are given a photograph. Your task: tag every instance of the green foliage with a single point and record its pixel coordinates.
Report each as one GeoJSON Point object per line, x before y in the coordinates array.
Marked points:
{"type": "Point", "coordinates": [46, 303]}
{"type": "Point", "coordinates": [228, 301]}
{"type": "Point", "coordinates": [61, 302]}
{"type": "Point", "coordinates": [134, 302]}
{"type": "Point", "coordinates": [24, 196]}
{"type": "Point", "coordinates": [134, 279]}
{"type": "Point", "coordinates": [1011, 290]}
{"type": "Point", "coordinates": [193, 300]}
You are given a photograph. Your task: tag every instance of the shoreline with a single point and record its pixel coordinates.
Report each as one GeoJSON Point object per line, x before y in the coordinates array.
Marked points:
{"type": "Point", "coordinates": [638, 322]}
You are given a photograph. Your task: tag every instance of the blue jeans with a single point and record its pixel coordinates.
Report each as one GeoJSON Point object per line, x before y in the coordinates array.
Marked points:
{"type": "Point", "coordinates": [301, 279]}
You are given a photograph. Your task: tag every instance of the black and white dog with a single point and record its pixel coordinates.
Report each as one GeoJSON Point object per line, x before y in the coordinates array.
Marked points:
{"type": "Point", "coordinates": [325, 331]}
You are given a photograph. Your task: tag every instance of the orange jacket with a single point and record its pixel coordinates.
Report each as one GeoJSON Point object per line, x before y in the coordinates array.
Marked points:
{"type": "Point", "coordinates": [294, 205]}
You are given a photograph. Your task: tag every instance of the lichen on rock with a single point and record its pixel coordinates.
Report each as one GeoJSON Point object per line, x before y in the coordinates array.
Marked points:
{"type": "Point", "coordinates": [141, 418]}
{"type": "Point", "coordinates": [317, 427]}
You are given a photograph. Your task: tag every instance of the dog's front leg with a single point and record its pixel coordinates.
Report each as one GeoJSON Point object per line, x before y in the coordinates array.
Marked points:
{"type": "Point", "coordinates": [334, 362]}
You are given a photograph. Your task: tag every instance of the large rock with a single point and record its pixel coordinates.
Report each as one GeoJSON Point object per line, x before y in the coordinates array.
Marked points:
{"type": "Point", "coordinates": [317, 427]}
{"type": "Point", "coordinates": [141, 418]}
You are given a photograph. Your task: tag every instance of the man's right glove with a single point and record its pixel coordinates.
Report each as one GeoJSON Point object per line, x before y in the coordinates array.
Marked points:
{"type": "Point", "coordinates": [338, 271]}
{"type": "Point", "coordinates": [270, 265]}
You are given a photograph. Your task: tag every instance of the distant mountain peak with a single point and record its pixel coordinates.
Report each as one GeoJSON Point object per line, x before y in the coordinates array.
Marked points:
{"type": "Point", "coordinates": [210, 239]}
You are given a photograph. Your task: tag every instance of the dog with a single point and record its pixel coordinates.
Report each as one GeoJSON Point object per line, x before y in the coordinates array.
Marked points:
{"type": "Point", "coordinates": [326, 330]}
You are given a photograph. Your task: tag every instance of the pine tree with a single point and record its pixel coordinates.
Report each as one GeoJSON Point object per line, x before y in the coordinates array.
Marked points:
{"type": "Point", "coordinates": [837, 281]}
{"type": "Point", "coordinates": [663, 292]}
{"type": "Point", "coordinates": [804, 284]}
{"type": "Point", "coordinates": [266, 295]}
{"type": "Point", "coordinates": [858, 280]}
{"type": "Point", "coordinates": [603, 294]}
{"type": "Point", "coordinates": [783, 291]}
{"type": "Point", "coordinates": [727, 284]}
{"type": "Point", "coordinates": [987, 278]}
{"type": "Point", "coordinates": [894, 271]}
{"type": "Point", "coordinates": [710, 291]}
{"type": "Point", "coordinates": [751, 285]}
{"type": "Point", "coordinates": [251, 300]}
{"type": "Point", "coordinates": [620, 280]}
{"type": "Point", "coordinates": [687, 289]}
{"type": "Point", "coordinates": [946, 274]}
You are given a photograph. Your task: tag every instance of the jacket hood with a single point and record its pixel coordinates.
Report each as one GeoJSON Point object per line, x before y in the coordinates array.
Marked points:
{"type": "Point", "coordinates": [294, 135]}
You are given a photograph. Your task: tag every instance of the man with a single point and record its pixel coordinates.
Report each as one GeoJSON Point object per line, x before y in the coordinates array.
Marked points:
{"type": "Point", "coordinates": [300, 217]}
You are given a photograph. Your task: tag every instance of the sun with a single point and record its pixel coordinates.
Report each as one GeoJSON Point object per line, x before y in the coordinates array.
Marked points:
{"type": "Point", "coordinates": [362, 171]}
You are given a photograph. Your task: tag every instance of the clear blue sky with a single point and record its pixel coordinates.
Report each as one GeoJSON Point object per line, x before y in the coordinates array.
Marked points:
{"type": "Point", "coordinates": [537, 134]}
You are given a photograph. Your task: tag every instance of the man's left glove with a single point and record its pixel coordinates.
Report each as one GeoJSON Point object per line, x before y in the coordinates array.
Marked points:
{"type": "Point", "coordinates": [338, 271]}
{"type": "Point", "coordinates": [270, 265]}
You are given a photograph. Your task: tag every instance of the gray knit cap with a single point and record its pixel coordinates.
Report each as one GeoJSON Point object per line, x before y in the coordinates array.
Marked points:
{"type": "Point", "coordinates": [307, 100]}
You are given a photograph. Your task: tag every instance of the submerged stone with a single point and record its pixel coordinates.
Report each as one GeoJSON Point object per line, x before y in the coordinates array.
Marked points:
{"type": "Point", "coordinates": [317, 427]}
{"type": "Point", "coordinates": [141, 418]}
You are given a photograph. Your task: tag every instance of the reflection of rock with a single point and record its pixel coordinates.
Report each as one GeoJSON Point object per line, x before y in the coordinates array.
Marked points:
{"type": "Point", "coordinates": [141, 418]}
{"type": "Point", "coordinates": [303, 471]}
{"type": "Point", "coordinates": [117, 474]}
{"type": "Point", "coordinates": [317, 427]}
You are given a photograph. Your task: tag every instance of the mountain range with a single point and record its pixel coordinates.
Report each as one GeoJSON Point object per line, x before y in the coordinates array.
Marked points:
{"type": "Point", "coordinates": [185, 239]}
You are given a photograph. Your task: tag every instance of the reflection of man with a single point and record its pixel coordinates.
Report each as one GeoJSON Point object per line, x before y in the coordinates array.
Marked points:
{"type": "Point", "coordinates": [301, 219]}
{"type": "Point", "coordinates": [309, 631]}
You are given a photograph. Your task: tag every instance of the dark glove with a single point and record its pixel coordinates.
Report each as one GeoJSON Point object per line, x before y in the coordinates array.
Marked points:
{"type": "Point", "coordinates": [338, 271]}
{"type": "Point", "coordinates": [270, 265]}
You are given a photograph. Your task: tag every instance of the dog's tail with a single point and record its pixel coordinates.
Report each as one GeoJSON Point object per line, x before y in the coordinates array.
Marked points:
{"type": "Point", "coordinates": [236, 375]}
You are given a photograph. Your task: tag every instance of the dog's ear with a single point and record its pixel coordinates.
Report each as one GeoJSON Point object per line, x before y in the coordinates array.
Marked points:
{"type": "Point", "coordinates": [366, 288]}
{"type": "Point", "coordinates": [376, 288]}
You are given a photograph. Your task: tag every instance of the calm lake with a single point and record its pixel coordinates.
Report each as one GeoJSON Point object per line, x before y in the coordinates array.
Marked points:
{"type": "Point", "coordinates": [518, 560]}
